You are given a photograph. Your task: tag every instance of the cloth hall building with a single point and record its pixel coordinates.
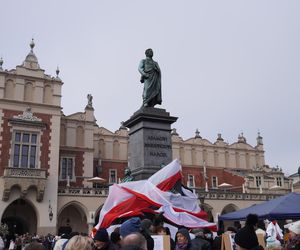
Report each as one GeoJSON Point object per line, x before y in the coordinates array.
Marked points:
{"type": "Point", "coordinates": [47, 159]}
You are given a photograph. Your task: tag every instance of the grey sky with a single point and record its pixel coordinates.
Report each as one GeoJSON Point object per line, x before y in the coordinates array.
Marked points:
{"type": "Point", "coordinates": [227, 66]}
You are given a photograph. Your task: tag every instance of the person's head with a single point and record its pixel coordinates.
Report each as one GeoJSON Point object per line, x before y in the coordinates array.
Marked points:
{"type": "Point", "coordinates": [149, 53]}
{"type": "Point", "coordinates": [79, 242]}
{"type": "Point", "coordinates": [231, 229]}
{"type": "Point", "coordinates": [252, 220]}
{"type": "Point", "coordinates": [274, 222]}
{"type": "Point", "coordinates": [135, 240]}
{"type": "Point", "coordinates": [130, 226]}
{"type": "Point", "coordinates": [115, 237]}
{"type": "Point", "coordinates": [147, 225]}
{"type": "Point", "coordinates": [294, 229]}
{"type": "Point", "coordinates": [35, 246]}
{"type": "Point", "coordinates": [160, 230]}
{"type": "Point", "coordinates": [101, 238]}
{"type": "Point", "coordinates": [198, 232]}
{"type": "Point", "coordinates": [182, 236]}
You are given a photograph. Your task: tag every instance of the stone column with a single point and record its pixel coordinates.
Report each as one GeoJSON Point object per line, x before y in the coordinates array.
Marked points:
{"type": "Point", "coordinates": [150, 145]}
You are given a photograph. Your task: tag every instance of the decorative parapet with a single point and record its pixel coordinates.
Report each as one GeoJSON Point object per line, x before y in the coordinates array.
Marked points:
{"type": "Point", "coordinates": [237, 196]}
{"type": "Point", "coordinates": [69, 191]}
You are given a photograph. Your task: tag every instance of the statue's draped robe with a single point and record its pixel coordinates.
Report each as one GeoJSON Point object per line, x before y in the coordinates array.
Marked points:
{"type": "Point", "coordinates": [152, 82]}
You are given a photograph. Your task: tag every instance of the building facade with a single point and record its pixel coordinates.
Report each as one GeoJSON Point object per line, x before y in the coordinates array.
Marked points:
{"type": "Point", "coordinates": [47, 160]}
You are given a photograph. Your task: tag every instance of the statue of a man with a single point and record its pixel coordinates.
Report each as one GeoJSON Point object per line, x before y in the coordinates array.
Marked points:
{"type": "Point", "coordinates": [151, 77]}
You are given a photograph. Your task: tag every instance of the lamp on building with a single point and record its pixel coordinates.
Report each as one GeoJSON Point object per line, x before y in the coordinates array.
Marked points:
{"type": "Point", "coordinates": [50, 212]}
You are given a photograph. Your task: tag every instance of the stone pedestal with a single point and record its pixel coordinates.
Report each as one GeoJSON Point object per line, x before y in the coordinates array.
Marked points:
{"type": "Point", "coordinates": [150, 145]}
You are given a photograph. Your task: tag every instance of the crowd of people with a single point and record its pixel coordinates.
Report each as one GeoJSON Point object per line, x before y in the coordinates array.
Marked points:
{"type": "Point", "coordinates": [137, 234]}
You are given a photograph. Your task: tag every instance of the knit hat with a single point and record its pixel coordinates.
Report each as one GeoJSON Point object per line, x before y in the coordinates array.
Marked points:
{"type": "Point", "coordinates": [102, 235]}
{"type": "Point", "coordinates": [295, 227]}
{"type": "Point", "coordinates": [130, 226]}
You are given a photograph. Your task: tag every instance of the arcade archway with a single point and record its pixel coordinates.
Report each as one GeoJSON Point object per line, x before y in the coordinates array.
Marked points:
{"type": "Point", "coordinates": [20, 216]}
{"type": "Point", "coordinates": [72, 218]}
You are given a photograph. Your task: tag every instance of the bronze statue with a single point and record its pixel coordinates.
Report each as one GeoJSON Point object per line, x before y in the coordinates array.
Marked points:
{"type": "Point", "coordinates": [128, 177]}
{"type": "Point", "coordinates": [151, 77]}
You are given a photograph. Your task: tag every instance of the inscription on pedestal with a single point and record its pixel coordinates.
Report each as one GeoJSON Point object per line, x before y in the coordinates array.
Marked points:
{"type": "Point", "coordinates": [150, 144]}
{"type": "Point", "coordinates": [156, 145]}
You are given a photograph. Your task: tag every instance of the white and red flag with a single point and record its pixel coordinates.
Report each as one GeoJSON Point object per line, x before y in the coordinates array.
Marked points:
{"type": "Point", "coordinates": [153, 196]}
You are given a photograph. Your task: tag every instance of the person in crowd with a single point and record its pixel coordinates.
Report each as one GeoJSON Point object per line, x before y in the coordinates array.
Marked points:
{"type": "Point", "coordinates": [160, 230]}
{"type": "Point", "coordinates": [208, 236]}
{"type": "Point", "coordinates": [102, 241]}
{"type": "Point", "coordinates": [116, 240]}
{"type": "Point", "coordinates": [183, 240]}
{"type": "Point", "coordinates": [274, 232]}
{"type": "Point", "coordinates": [1, 242]}
{"type": "Point", "coordinates": [293, 242]}
{"type": "Point", "coordinates": [146, 230]}
{"type": "Point", "coordinates": [199, 240]}
{"type": "Point", "coordinates": [60, 242]}
{"type": "Point", "coordinates": [132, 225]}
{"type": "Point", "coordinates": [217, 243]}
{"type": "Point", "coordinates": [134, 241]}
{"type": "Point", "coordinates": [79, 242]}
{"type": "Point", "coordinates": [246, 236]}
{"type": "Point", "coordinates": [18, 242]}
{"type": "Point", "coordinates": [237, 225]}
{"type": "Point", "coordinates": [34, 246]}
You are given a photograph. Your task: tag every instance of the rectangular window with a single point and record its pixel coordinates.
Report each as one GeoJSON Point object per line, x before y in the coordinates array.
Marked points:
{"type": "Point", "coordinates": [279, 181]}
{"type": "Point", "coordinates": [258, 181]}
{"type": "Point", "coordinates": [112, 176]}
{"type": "Point", "coordinates": [191, 181]}
{"type": "Point", "coordinates": [25, 150]}
{"type": "Point", "coordinates": [214, 181]}
{"type": "Point", "coordinates": [67, 168]}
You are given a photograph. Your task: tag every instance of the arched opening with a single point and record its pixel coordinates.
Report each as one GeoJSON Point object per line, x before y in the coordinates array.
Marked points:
{"type": "Point", "coordinates": [72, 218]}
{"type": "Point", "coordinates": [20, 216]}
{"type": "Point", "coordinates": [228, 209]}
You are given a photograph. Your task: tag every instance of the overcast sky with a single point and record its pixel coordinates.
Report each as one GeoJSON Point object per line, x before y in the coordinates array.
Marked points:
{"type": "Point", "coordinates": [227, 66]}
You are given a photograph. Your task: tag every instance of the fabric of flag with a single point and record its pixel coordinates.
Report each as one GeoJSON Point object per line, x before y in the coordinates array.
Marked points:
{"type": "Point", "coordinates": [153, 196]}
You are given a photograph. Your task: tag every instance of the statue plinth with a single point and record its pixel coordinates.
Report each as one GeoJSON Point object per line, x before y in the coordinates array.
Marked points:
{"type": "Point", "coordinates": [150, 145]}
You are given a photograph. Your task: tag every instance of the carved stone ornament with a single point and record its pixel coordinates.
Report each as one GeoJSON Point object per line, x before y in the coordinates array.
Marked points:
{"type": "Point", "coordinates": [27, 116]}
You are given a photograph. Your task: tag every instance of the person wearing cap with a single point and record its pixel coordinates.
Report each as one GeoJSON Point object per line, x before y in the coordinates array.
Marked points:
{"type": "Point", "coordinates": [294, 240]}
{"type": "Point", "coordinates": [102, 241]}
{"type": "Point", "coordinates": [135, 225]}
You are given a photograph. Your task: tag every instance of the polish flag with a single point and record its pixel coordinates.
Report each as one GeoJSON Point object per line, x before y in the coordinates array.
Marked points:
{"type": "Point", "coordinates": [153, 196]}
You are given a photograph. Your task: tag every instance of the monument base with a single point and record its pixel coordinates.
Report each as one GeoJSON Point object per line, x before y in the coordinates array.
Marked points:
{"type": "Point", "coordinates": [150, 145]}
